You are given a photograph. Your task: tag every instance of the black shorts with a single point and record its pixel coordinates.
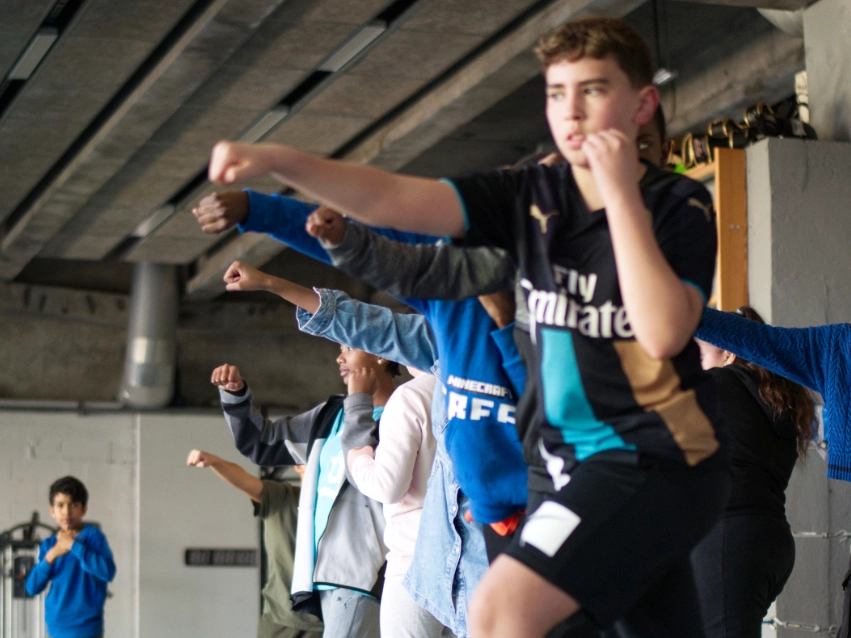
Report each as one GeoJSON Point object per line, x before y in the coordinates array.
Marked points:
{"type": "Point", "coordinates": [617, 538]}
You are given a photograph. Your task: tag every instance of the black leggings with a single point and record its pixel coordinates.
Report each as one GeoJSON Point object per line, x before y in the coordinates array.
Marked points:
{"type": "Point", "coordinates": [739, 569]}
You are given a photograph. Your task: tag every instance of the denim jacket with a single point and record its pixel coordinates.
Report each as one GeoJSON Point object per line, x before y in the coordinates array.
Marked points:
{"type": "Point", "coordinates": [441, 578]}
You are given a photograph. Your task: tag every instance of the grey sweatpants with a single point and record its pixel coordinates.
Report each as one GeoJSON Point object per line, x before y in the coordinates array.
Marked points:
{"type": "Point", "coordinates": [402, 617]}
{"type": "Point", "coordinates": [348, 614]}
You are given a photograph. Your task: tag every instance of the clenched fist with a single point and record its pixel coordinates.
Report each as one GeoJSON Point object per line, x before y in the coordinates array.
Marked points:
{"type": "Point", "coordinates": [326, 225]}
{"type": "Point", "coordinates": [219, 212]}
{"type": "Point", "coordinates": [241, 276]}
{"type": "Point", "coordinates": [227, 378]}
{"type": "Point", "coordinates": [200, 458]}
{"type": "Point", "coordinates": [232, 161]}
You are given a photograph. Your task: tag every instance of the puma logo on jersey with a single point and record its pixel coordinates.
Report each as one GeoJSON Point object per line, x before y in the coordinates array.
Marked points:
{"type": "Point", "coordinates": [542, 218]}
{"type": "Point", "coordinates": [706, 208]}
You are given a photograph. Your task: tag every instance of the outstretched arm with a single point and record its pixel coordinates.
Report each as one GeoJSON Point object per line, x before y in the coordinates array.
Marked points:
{"type": "Point", "coordinates": [405, 339]}
{"type": "Point", "coordinates": [264, 442]}
{"type": "Point", "coordinates": [229, 472]}
{"type": "Point", "coordinates": [278, 216]}
{"type": "Point", "coordinates": [424, 271]}
{"type": "Point", "coordinates": [241, 276]}
{"type": "Point", "coordinates": [365, 193]}
{"type": "Point", "coordinates": [799, 354]}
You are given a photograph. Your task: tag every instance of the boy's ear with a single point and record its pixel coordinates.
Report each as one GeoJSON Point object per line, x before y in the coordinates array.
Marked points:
{"type": "Point", "coordinates": [648, 98]}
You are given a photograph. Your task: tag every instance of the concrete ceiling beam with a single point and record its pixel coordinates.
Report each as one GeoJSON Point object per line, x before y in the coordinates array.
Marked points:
{"type": "Point", "coordinates": [762, 70]}
{"type": "Point", "coordinates": [493, 74]}
{"type": "Point", "coordinates": [57, 201]}
{"type": "Point", "coordinates": [785, 5]}
{"type": "Point", "coordinates": [252, 248]}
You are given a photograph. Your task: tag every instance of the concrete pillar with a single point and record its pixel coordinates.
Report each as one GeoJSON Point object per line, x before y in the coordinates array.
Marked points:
{"type": "Point", "coordinates": [799, 274]}
{"type": "Point", "coordinates": [827, 32]}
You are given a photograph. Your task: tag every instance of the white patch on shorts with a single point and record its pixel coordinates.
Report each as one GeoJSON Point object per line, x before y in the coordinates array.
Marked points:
{"type": "Point", "coordinates": [549, 527]}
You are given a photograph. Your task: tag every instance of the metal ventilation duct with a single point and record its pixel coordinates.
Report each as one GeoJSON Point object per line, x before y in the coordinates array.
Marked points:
{"type": "Point", "coordinates": [149, 365]}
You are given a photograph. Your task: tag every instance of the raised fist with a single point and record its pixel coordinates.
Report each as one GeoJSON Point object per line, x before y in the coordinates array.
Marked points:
{"type": "Point", "coordinates": [241, 276]}
{"type": "Point", "coordinates": [227, 378]}
{"type": "Point", "coordinates": [218, 212]}
{"type": "Point", "coordinates": [199, 458]}
{"type": "Point", "coordinates": [326, 225]}
{"type": "Point", "coordinates": [232, 161]}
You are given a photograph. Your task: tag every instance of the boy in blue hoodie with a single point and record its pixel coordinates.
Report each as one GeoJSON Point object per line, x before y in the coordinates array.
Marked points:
{"type": "Point", "coordinates": [78, 561]}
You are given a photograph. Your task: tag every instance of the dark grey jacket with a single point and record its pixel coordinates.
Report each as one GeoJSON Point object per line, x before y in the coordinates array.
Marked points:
{"type": "Point", "coordinates": [426, 271]}
{"type": "Point", "coordinates": [351, 552]}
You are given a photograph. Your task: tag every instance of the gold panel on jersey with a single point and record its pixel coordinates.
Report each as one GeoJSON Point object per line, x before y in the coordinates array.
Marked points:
{"type": "Point", "coordinates": [656, 388]}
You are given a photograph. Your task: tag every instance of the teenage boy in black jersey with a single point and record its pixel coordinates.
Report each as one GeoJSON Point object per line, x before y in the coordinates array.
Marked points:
{"type": "Point", "coordinates": [616, 258]}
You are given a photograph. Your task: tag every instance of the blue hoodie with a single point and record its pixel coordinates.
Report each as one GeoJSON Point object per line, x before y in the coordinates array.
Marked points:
{"type": "Point", "coordinates": [481, 437]}
{"type": "Point", "coordinates": [74, 605]}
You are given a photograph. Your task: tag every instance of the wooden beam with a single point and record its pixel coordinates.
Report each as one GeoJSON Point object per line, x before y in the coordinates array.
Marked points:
{"type": "Point", "coordinates": [731, 205]}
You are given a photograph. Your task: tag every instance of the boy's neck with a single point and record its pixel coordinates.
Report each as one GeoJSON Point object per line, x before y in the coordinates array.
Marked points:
{"type": "Point", "coordinates": [587, 185]}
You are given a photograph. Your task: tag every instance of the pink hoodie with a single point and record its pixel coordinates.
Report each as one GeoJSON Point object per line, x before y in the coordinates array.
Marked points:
{"type": "Point", "coordinates": [398, 474]}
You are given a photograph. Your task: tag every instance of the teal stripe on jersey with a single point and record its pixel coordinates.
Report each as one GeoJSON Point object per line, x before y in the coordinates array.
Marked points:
{"type": "Point", "coordinates": [698, 288]}
{"type": "Point", "coordinates": [565, 404]}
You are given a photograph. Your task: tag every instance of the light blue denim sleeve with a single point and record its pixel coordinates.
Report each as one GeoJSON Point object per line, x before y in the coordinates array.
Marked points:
{"type": "Point", "coordinates": [405, 339]}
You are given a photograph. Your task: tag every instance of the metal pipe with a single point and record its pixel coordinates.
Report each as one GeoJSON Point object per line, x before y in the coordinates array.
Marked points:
{"type": "Point", "coordinates": [149, 364]}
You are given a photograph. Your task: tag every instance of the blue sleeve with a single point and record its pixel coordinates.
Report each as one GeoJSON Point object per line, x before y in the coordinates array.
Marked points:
{"type": "Point", "coordinates": [512, 364]}
{"type": "Point", "coordinates": [283, 218]}
{"type": "Point", "coordinates": [41, 573]}
{"type": "Point", "coordinates": [799, 354]}
{"type": "Point", "coordinates": [94, 555]}
{"type": "Point", "coordinates": [405, 339]}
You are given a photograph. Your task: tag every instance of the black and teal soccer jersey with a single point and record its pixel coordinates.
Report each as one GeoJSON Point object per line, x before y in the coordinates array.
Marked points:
{"type": "Point", "coordinates": [596, 388]}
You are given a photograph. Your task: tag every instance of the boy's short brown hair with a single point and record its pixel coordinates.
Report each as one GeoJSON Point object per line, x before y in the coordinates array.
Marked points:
{"type": "Point", "coordinates": [595, 37]}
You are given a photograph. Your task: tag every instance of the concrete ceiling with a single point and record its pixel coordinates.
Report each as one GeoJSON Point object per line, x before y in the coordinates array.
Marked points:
{"type": "Point", "coordinates": [118, 120]}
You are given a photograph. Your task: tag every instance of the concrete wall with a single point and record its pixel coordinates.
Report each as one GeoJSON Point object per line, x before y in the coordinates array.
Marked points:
{"type": "Point", "coordinates": [150, 506]}
{"type": "Point", "coordinates": [65, 345]}
{"type": "Point", "coordinates": [101, 450]}
{"type": "Point", "coordinates": [182, 507]}
{"type": "Point", "coordinates": [799, 274]}
{"type": "Point", "coordinates": [827, 31]}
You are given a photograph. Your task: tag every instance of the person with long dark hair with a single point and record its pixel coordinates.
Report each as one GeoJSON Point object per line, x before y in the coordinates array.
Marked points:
{"type": "Point", "coordinates": [744, 562]}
